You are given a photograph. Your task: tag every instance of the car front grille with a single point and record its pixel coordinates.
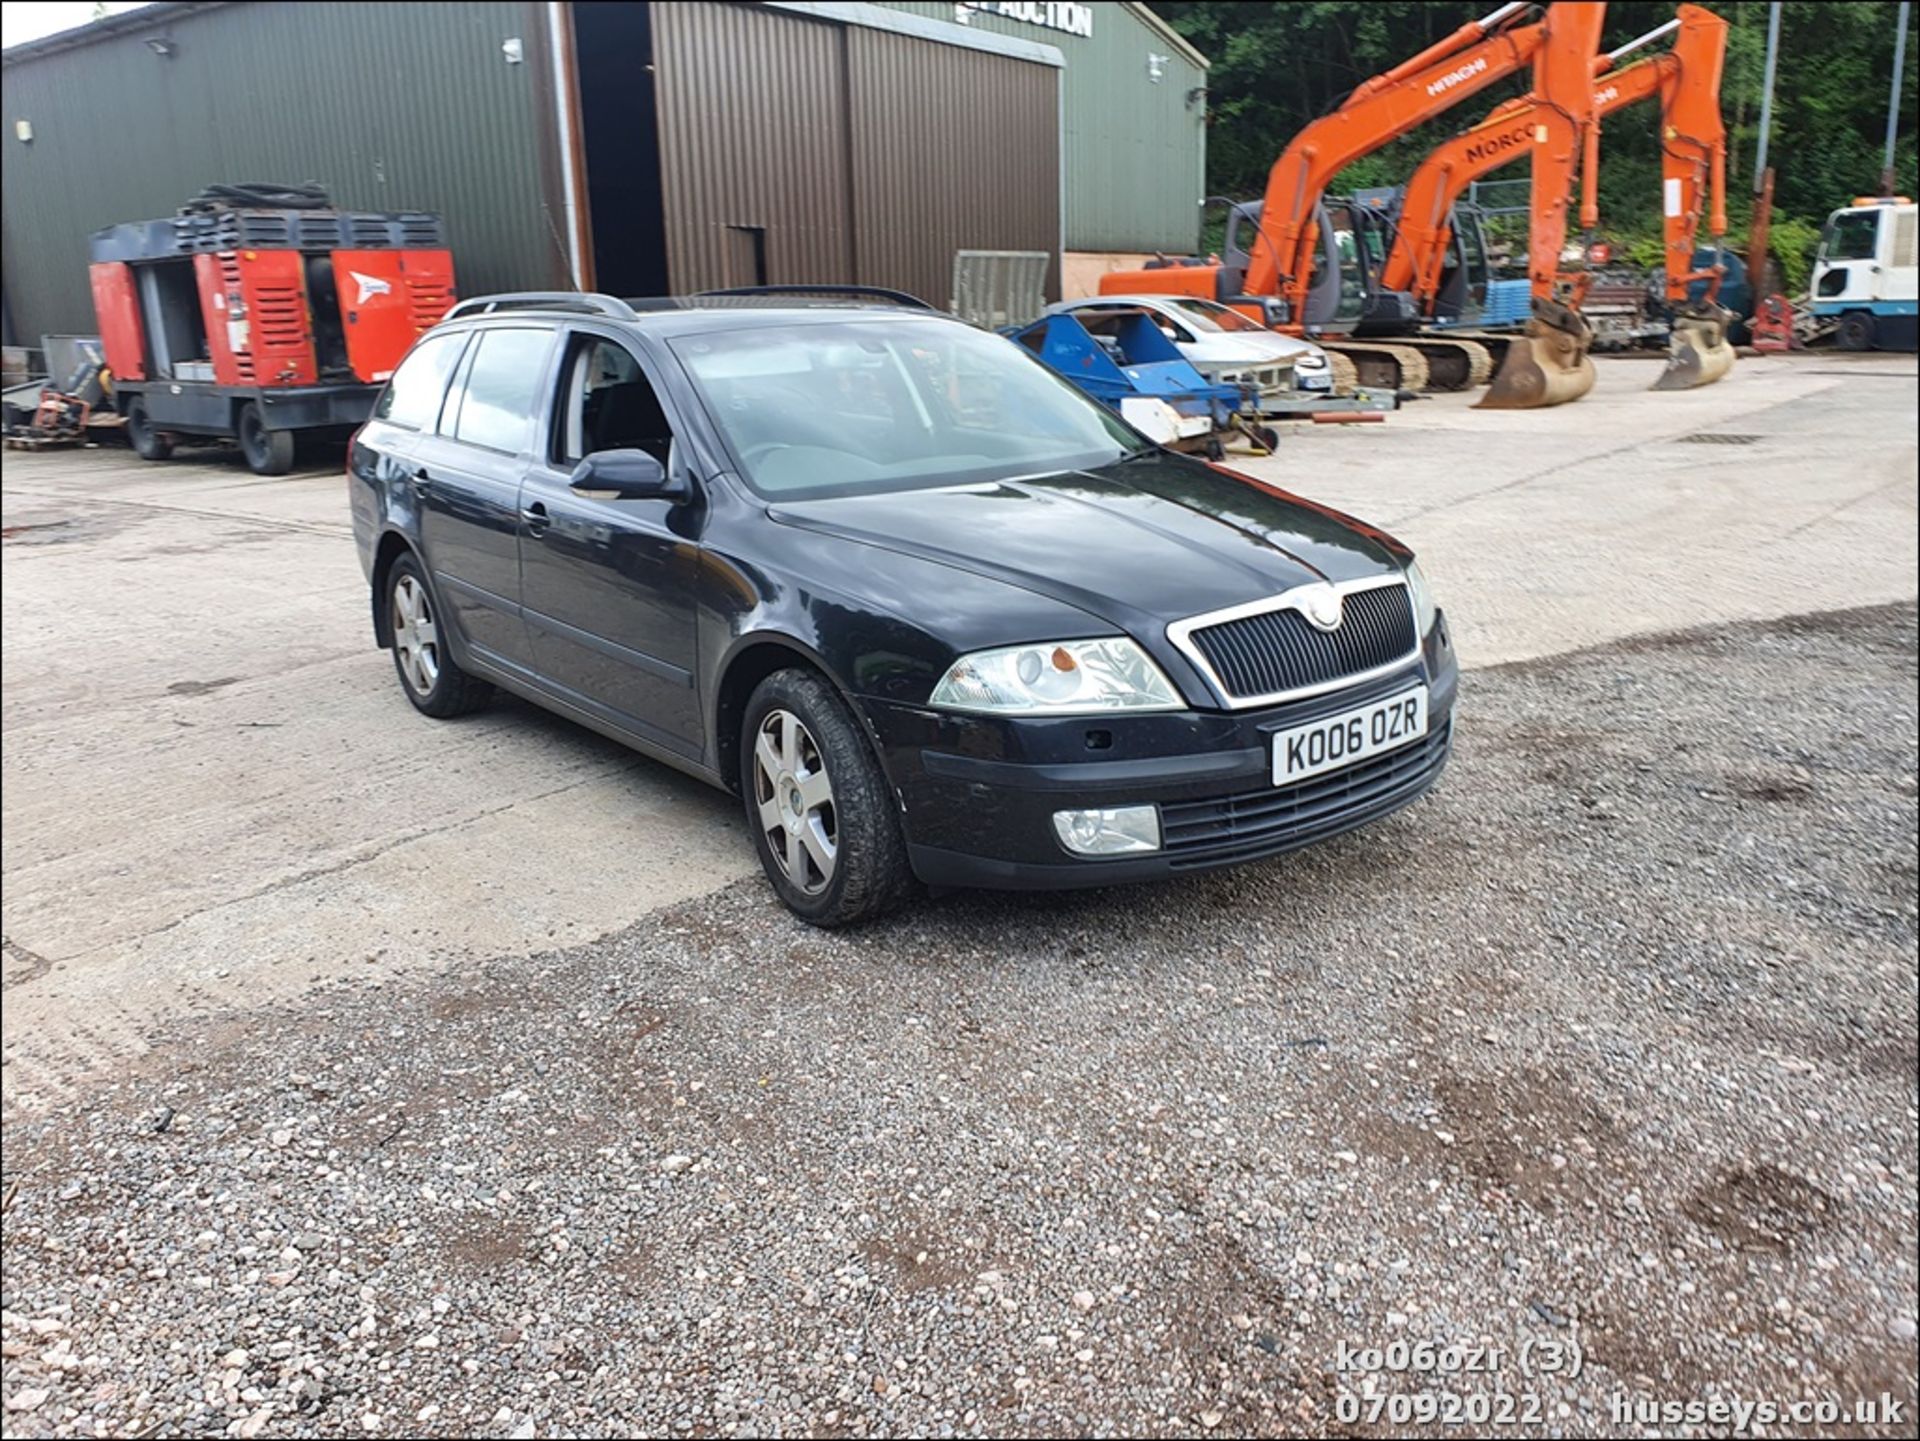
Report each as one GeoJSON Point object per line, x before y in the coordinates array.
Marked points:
{"type": "Point", "coordinates": [1268, 821]}
{"type": "Point", "coordinates": [1266, 378]}
{"type": "Point", "coordinates": [1280, 651]}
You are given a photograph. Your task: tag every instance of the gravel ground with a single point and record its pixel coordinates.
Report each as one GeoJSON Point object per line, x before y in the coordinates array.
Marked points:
{"type": "Point", "coordinates": [1609, 1045]}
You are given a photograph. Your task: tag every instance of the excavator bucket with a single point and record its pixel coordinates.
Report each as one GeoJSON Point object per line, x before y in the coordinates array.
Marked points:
{"type": "Point", "coordinates": [1549, 365]}
{"type": "Point", "coordinates": [1697, 349]}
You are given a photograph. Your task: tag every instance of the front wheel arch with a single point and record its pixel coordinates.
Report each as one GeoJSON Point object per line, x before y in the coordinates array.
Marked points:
{"type": "Point", "coordinates": [754, 659]}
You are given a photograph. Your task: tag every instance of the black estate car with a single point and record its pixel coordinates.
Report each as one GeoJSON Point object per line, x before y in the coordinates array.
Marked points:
{"type": "Point", "coordinates": [928, 609]}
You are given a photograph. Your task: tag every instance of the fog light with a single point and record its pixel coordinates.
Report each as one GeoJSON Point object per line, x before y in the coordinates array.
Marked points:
{"type": "Point", "coordinates": [1112, 832]}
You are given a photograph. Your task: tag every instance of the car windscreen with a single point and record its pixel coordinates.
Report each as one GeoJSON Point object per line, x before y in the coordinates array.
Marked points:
{"type": "Point", "coordinates": [861, 406]}
{"type": "Point", "coordinates": [1852, 235]}
{"type": "Point", "coordinates": [1212, 317]}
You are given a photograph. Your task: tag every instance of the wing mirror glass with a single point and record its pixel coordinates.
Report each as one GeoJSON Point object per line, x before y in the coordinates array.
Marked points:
{"type": "Point", "coordinates": [625, 475]}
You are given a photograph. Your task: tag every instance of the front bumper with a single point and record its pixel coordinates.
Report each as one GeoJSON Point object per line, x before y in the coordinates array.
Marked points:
{"type": "Point", "coordinates": [979, 792]}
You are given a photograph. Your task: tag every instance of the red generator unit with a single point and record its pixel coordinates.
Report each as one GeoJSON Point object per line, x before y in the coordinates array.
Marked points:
{"type": "Point", "coordinates": [258, 312]}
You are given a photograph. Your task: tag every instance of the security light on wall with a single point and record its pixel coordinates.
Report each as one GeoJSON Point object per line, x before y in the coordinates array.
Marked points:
{"type": "Point", "coordinates": [1156, 67]}
{"type": "Point", "coordinates": [162, 47]}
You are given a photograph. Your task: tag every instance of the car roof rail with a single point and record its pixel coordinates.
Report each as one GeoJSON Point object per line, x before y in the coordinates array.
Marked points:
{"type": "Point", "coordinates": [869, 292]}
{"type": "Point", "coordinates": [575, 302]}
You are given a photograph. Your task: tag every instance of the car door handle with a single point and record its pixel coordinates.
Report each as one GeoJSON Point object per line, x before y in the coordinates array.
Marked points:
{"type": "Point", "coordinates": [419, 479]}
{"type": "Point", "coordinates": [535, 516]}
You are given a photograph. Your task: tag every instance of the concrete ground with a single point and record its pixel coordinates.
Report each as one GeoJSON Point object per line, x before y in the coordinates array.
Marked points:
{"type": "Point", "coordinates": [216, 796]}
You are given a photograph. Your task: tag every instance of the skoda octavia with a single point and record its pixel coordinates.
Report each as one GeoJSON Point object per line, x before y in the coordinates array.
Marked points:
{"type": "Point", "coordinates": [929, 611]}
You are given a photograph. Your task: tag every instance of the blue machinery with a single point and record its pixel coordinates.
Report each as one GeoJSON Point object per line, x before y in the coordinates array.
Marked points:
{"type": "Point", "coordinates": [1139, 373]}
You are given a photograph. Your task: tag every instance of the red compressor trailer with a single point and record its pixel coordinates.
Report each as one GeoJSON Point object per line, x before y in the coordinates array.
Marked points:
{"type": "Point", "coordinates": [259, 311]}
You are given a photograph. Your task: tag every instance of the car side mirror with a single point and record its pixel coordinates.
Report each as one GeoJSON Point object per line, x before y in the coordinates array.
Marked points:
{"type": "Point", "coordinates": [625, 475]}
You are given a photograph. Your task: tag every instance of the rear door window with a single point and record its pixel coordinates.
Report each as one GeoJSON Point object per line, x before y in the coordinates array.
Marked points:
{"type": "Point", "coordinates": [506, 380]}
{"type": "Point", "coordinates": [412, 397]}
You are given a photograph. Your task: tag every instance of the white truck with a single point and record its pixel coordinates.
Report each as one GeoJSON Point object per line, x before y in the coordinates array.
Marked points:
{"type": "Point", "coordinates": [1865, 274]}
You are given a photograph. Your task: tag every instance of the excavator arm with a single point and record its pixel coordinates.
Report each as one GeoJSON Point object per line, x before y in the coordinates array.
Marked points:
{"type": "Point", "coordinates": [1693, 148]}
{"type": "Point", "coordinates": [1280, 263]}
{"type": "Point", "coordinates": [1505, 137]}
{"type": "Point", "coordinates": [1478, 54]}
{"type": "Point", "coordinates": [1693, 166]}
{"type": "Point", "coordinates": [1686, 80]}
{"type": "Point", "coordinates": [1549, 365]}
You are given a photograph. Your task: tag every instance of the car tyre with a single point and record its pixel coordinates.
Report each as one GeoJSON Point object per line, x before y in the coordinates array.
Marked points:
{"type": "Point", "coordinates": [823, 817]}
{"type": "Point", "coordinates": [268, 452]}
{"type": "Point", "coordinates": [147, 442]}
{"type": "Point", "coordinates": [1857, 330]}
{"type": "Point", "coordinates": [428, 673]}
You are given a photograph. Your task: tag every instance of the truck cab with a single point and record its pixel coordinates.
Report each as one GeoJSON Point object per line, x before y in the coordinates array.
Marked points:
{"type": "Point", "coordinates": [1865, 274]}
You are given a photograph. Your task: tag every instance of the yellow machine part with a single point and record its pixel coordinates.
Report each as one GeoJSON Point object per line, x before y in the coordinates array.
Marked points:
{"type": "Point", "coordinates": [1548, 366]}
{"type": "Point", "coordinates": [1697, 350]}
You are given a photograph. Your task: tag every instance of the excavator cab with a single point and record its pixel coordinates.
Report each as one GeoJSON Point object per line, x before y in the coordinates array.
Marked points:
{"type": "Point", "coordinates": [1369, 218]}
{"type": "Point", "coordinates": [1344, 297]}
{"type": "Point", "coordinates": [1465, 273]}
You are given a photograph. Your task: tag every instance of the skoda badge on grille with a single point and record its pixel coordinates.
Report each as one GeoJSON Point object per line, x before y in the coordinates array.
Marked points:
{"type": "Point", "coordinates": [1321, 605]}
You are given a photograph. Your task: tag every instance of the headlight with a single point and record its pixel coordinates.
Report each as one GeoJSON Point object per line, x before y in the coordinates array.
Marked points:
{"type": "Point", "coordinates": [1424, 609]}
{"type": "Point", "coordinates": [1057, 679]}
{"type": "Point", "coordinates": [1310, 362]}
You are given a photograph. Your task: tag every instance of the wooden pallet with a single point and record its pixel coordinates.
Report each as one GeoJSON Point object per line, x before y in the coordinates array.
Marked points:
{"type": "Point", "coordinates": [44, 442]}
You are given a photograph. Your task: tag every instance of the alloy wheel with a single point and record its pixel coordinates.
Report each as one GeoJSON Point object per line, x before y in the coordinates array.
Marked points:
{"type": "Point", "coordinates": [415, 640]}
{"type": "Point", "coordinates": [794, 800]}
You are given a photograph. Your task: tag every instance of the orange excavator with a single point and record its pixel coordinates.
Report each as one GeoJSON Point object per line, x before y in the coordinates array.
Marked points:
{"type": "Point", "coordinates": [1686, 79]}
{"type": "Point", "coordinates": [1300, 272]}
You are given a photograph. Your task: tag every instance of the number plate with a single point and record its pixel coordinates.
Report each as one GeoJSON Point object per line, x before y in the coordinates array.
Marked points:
{"type": "Point", "coordinates": [1340, 740]}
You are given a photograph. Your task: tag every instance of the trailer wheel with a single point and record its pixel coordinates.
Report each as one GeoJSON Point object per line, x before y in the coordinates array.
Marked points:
{"type": "Point", "coordinates": [1856, 330]}
{"type": "Point", "coordinates": [147, 443]}
{"type": "Point", "coordinates": [268, 452]}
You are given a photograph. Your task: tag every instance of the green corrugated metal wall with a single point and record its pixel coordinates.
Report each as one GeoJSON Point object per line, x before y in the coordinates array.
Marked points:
{"type": "Point", "coordinates": [1136, 150]}
{"type": "Point", "coordinates": [392, 107]}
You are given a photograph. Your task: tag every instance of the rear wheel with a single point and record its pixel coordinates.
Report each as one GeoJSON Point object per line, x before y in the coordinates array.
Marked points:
{"type": "Point", "coordinates": [147, 443]}
{"type": "Point", "coordinates": [823, 816]}
{"type": "Point", "coordinates": [428, 674]}
{"type": "Point", "coordinates": [1856, 330]}
{"type": "Point", "coordinates": [268, 452]}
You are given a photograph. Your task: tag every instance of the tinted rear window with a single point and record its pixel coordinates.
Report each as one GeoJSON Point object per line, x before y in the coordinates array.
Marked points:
{"type": "Point", "coordinates": [412, 398]}
{"type": "Point", "coordinates": [505, 385]}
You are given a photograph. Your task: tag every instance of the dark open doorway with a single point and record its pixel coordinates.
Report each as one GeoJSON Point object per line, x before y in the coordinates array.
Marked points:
{"type": "Point", "coordinates": [614, 54]}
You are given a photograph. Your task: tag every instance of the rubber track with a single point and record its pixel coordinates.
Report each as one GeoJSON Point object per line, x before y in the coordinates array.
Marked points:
{"type": "Point", "coordinates": [1411, 365]}
{"type": "Point", "coordinates": [1479, 359]}
{"type": "Point", "coordinates": [1495, 343]}
{"type": "Point", "coordinates": [1346, 375]}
